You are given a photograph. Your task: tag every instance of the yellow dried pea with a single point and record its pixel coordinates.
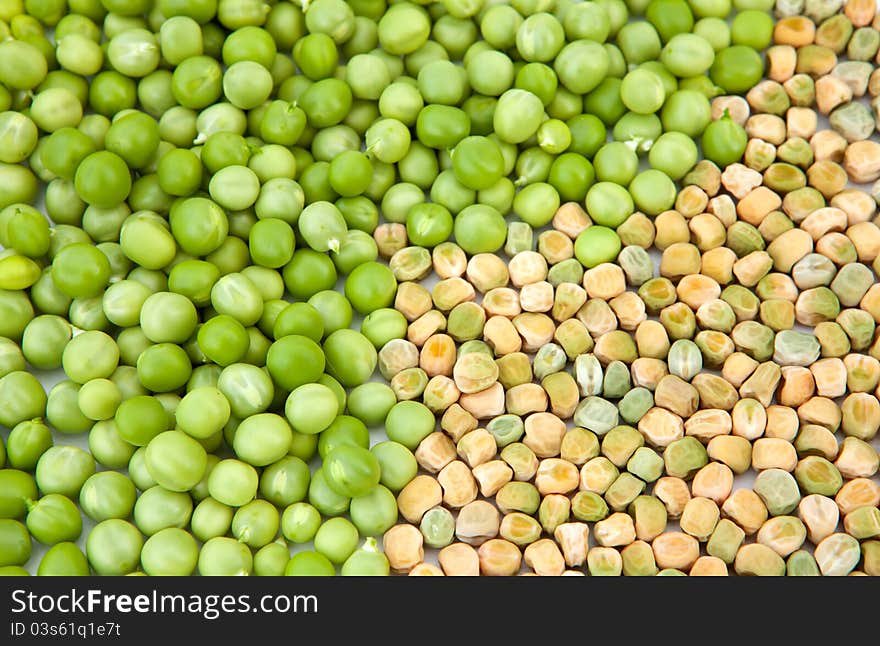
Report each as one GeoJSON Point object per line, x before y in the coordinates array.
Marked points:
{"type": "Point", "coordinates": [861, 161]}
{"type": "Point", "coordinates": [708, 566]}
{"type": "Point", "coordinates": [800, 123]}
{"type": "Point", "coordinates": [437, 356]}
{"type": "Point", "coordinates": [737, 368]}
{"type": "Point", "coordinates": [486, 403]}
{"type": "Point", "coordinates": [403, 546]}
{"type": "Point", "coordinates": [797, 386]}
{"type": "Point", "coordinates": [502, 301]}
{"type": "Point", "coordinates": [857, 459]}
{"type": "Point", "coordinates": [723, 208]}
{"type": "Point", "coordinates": [425, 326]}
{"type": "Point", "coordinates": [486, 271]}
{"type": "Point", "coordinates": [858, 492]}
{"type": "Point", "coordinates": [523, 399]}
{"type": "Point", "coordinates": [556, 476]}
{"type": "Point", "coordinates": [477, 447]}
{"type": "Point", "coordinates": [412, 300]}
{"type": "Point", "coordinates": [573, 539]}
{"type": "Point", "coordinates": [789, 248]}
{"type": "Point", "coordinates": [450, 260]}
{"type": "Point", "coordinates": [774, 453]}
{"type": "Point", "coordinates": [736, 106]}
{"type": "Point", "coordinates": [571, 219]}
{"type": "Point", "coordinates": [555, 246]}
{"type": "Point", "coordinates": [707, 231]}
{"type": "Point", "coordinates": [691, 201]}
{"type": "Point", "coordinates": [750, 269]}
{"type": "Point", "coordinates": [769, 127]}
{"type": "Point", "coordinates": [756, 559]}
{"type": "Point", "coordinates": [426, 569]}
{"type": "Point", "coordinates": [527, 267]}
{"type": "Point", "coordinates": [714, 481]}
{"type": "Point", "coordinates": [440, 393]}
{"type": "Point", "coordinates": [499, 557]}
{"type": "Point", "coordinates": [456, 421]}
{"type": "Point", "coordinates": [699, 518]}
{"type": "Point", "coordinates": [740, 180]}
{"type": "Point", "coordinates": [781, 62]}
{"type": "Point", "coordinates": [647, 373]}
{"type": "Point", "coordinates": [714, 391]}
{"type": "Point", "coordinates": [671, 228]}
{"type": "Point", "coordinates": [477, 522]}
{"type": "Point", "coordinates": [519, 528]}
{"type": "Point", "coordinates": [675, 550]}
{"type": "Point", "coordinates": [746, 509]}
{"type": "Point", "coordinates": [458, 484]}
{"type": "Point", "coordinates": [537, 297]}
{"type": "Point", "coordinates": [718, 264]}
{"type": "Point", "coordinates": [449, 292]}
{"type": "Point", "coordinates": [459, 559]}
{"type": "Point", "coordinates": [731, 450]}
{"type": "Point", "coordinates": [815, 60]}
{"type": "Point", "coordinates": [604, 281]}
{"type": "Point", "coordinates": [474, 372]}
{"type": "Point", "coordinates": [544, 557]}
{"type": "Point", "coordinates": [568, 299]}
{"type": "Point", "coordinates": [865, 237]}
{"type": "Point", "coordinates": [823, 221]}
{"type": "Point", "coordinates": [860, 12]}
{"type": "Point", "coordinates": [637, 230]}
{"type": "Point", "coordinates": [832, 92]}
{"type": "Point", "coordinates": [652, 341]}
{"type": "Point", "coordinates": [759, 202]}
{"type": "Point", "coordinates": [822, 411]}
{"type": "Point", "coordinates": [435, 452]}
{"type": "Point", "coordinates": [491, 476]}
{"type": "Point", "coordinates": [677, 396]}
{"type": "Point", "coordinates": [543, 434]}
{"type": "Point", "coordinates": [615, 531]}
{"type": "Point", "coordinates": [828, 177]}
{"type": "Point", "coordinates": [629, 310]}
{"type": "Point", "coordinates": [796, 31]}
{"type": "Point", "coordinates": [820, 514]}
{"type": "Point", "coordinates": [708, 423]}
{"type": "Point", "coordinates": [673, 493]}
{"type": "Point", "coordinates": [782, 534]}
{"type": "Point", "coordinates": [562, 391]}
{"type": "Point", "coordinates": [782, 423]}
{"type": "Point", "coordinates": [418, 496]}
{"type": "Point", "coordinates": [501, 335]}
{"type": "Point", "coordinates": [390, 238]}
{"type": "Point", "coordinates": [680, 259]}
{"type": "Point", "coordinates": [828, 145]}
{"type": "Point", "coordinates": [759, 154]}
{"type": "Point", "coordinates": [536, 330]}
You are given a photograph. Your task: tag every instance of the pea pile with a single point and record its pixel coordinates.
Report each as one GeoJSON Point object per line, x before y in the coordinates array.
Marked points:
{"type": "Point", "coordinates": [251, 232]}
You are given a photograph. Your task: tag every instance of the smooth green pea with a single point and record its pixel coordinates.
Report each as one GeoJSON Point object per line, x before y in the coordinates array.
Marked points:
{"type": "Point", "coordinates": [114, 547]}
{"type": "Point", "coordinates": [222, 556]}
{"type": "Point", "coordinates": [374, 513]}
{"type": "Point", "coordinates": [15, 543]}
{"type": "Point", "coordinates": [54, 519]}
{"type": "Point", "coordinates": [107, 494]}
{"type": "Point", "coordinates": [300, 522]}
{"type": "Point", "coordinates": [324, 498]}
{"type": "Point", "coordinates": [158, 508]}
{"type": "Point", "coordinates": [170, 552]}
{"type": "Point", "coordinates": [350, 356]}
{"type": "Point", "coordinates": [63, 559]}
{"type": "Point", "coordinates": [309, 563]}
